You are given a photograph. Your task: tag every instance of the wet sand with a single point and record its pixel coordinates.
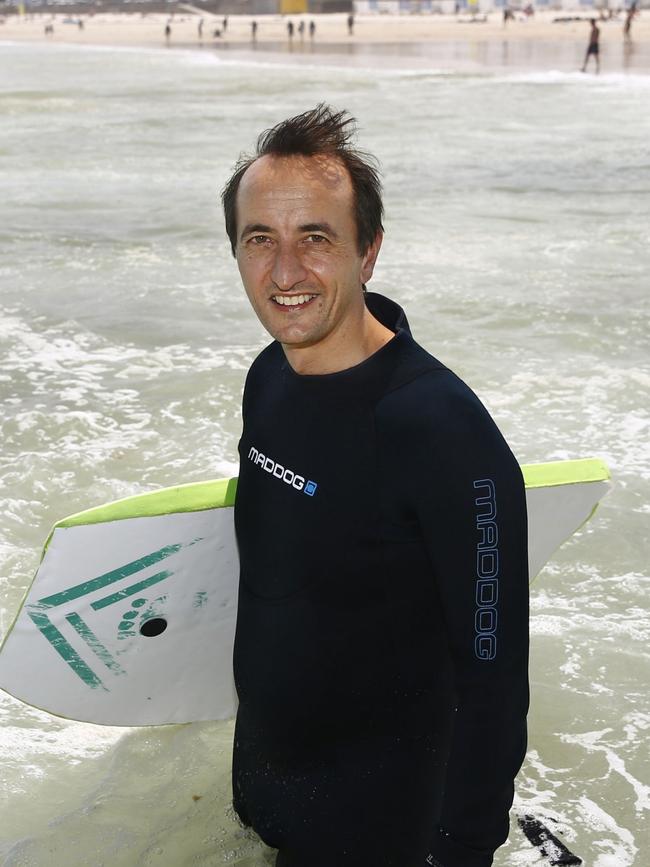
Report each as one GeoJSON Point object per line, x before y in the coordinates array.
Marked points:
{"type": "Point", "coordinates": [413, 40]}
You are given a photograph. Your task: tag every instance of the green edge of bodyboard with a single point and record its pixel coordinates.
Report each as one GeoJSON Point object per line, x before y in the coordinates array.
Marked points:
{"type": "Point", "coordinates": [194, 497]}
{"type": "Point", "coordinates": [555, 473]}
{"type": "Point", "coordinates": [219, 493]}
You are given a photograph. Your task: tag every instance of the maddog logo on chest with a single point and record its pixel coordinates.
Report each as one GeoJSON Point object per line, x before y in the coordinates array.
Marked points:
{"type": "Point", "coordinates": [289, 477]}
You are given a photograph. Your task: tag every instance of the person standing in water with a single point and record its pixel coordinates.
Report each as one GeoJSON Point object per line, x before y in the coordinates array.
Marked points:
{"type": "Point", "coordinates": [382, 630]}
{"type": "Point", "coordinates": [593, 48]}
{"type": "Point", "coordinates": [627, 27]}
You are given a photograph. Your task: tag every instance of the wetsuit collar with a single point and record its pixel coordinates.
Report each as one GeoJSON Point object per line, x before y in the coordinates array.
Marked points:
{"type": "Point", "coordinates": [387, 312]}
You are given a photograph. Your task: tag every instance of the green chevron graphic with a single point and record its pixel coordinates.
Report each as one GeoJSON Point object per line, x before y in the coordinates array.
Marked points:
{"type": "Point", "coordinates": [37, 611]}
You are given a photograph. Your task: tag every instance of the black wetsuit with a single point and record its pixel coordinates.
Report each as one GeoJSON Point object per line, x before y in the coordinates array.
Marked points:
{"type": "Point", "coordinates": [382, 635]}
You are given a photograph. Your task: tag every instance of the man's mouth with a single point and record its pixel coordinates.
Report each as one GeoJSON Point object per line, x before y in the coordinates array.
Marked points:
{"type": "Point", "coordinates": [292, 300]}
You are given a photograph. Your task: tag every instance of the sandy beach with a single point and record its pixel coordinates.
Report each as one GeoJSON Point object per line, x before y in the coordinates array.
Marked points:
{"type": "Point", "coordinates": [373, 34]}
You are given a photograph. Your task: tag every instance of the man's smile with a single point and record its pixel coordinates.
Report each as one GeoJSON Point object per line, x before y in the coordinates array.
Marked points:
{"type": "Point", "coordinates": [292, 300]}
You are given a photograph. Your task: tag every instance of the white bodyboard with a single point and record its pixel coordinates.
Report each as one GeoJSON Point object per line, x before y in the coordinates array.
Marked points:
{"type": "Point", "coordinates": [130, 618]}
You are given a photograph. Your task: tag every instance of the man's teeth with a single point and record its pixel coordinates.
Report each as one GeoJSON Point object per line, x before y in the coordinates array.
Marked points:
{"type": "Point", "coordinates": [292, 300]}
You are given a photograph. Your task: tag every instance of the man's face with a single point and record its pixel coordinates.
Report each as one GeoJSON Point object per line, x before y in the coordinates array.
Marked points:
{"type": "Point", "coordinates": [297, 251]}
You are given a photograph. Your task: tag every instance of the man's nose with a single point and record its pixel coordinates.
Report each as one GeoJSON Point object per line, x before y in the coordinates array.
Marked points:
{"type": "Point", "coordinates": [288, 269]}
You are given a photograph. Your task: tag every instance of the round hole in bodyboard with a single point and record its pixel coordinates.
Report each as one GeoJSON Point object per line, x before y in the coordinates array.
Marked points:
{"type": "Point", "coordinates": [152, 628]}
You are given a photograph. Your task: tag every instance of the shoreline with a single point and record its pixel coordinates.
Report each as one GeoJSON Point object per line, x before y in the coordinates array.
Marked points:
{"type": "Point", "coordinates": [444, 42]}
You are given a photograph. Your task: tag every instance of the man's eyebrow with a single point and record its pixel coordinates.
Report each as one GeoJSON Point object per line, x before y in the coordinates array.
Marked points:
{"type": "Point", "coordinates": [262, 228]}
{"type": "Point", "coordinates": [251, 228]}
{"type": "Point", "coordinates": [319, 227]}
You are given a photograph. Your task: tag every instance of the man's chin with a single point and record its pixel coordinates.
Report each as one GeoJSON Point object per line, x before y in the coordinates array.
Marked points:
{"type": "Point", "coordinates": [294, 337]}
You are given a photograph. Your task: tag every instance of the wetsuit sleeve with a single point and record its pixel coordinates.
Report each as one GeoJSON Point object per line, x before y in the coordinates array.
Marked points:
{"type": "Point", "coordinates": [472, 510]}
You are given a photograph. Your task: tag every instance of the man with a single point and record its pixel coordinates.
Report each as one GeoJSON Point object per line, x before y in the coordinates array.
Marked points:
{"type": "Point", "coordinates": [627, 27]}
{"type": "Point", "coordinates": [594, 46]}
{"type": "Point", "coordinates": [381, 648]}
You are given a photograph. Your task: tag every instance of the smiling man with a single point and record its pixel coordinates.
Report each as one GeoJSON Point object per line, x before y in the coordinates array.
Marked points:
{"type": "Point", "coordinates": [381, 648]}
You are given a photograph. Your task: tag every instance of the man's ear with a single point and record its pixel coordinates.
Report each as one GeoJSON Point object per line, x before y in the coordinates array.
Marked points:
{"type": "Point", "coordinates": [370, 257]}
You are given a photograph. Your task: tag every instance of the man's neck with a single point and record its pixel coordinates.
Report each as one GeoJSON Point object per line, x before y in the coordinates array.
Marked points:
{"type": "Point", "coordinates": [340, 351]}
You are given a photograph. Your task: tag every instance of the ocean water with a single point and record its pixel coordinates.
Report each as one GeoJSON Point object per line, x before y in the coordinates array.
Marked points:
{"type": "Point", "coordinates": [518, 239]}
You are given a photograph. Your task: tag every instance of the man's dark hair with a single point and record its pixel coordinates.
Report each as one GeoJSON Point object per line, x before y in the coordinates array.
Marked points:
{"type": "Point", "coordinates": [318, 132]}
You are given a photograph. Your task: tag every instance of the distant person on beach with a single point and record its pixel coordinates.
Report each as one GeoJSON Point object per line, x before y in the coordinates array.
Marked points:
{"type": "Point", "coordinates": [381, 648]}
{"type": "Point", "coordinates": [593, 49]}
{"type": "Point", "coordinates": [290, 30]}
{"type": "Point", "coordinates": [168, 31]}
{"type": "Point", "coordinates": [254, 30]}
{"type": "Point", "coordinates": [200, 28]}
{"type": "Point", "coordinates": [350, 24]}
{"type": "Point", "coordinates": [301, 30]}
{"type": "Point", "coordinates": [224, 23]}
{"type": "Point", "coordinates": [312, 29]}
{"type": "Point", "coordinates": [627, 27]}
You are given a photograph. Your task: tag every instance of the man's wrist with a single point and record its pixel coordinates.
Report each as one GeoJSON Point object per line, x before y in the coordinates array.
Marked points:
{"type": "Point", "coordinates": [449, 852]}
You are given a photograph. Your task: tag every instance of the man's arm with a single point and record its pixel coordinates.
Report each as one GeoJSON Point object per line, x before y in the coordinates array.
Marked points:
{"type": "Point", "coordinates": [472, 510]}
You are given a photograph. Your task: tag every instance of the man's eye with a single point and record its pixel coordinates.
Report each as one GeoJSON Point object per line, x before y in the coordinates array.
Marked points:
{"type": "Point", "coordinates": [258, 240]}
{"type": "Point", "coordinates": [316, 239]}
